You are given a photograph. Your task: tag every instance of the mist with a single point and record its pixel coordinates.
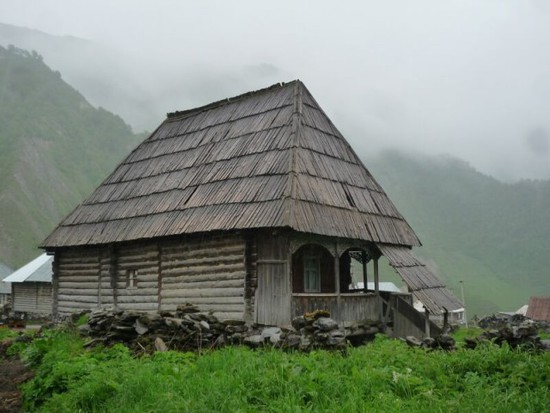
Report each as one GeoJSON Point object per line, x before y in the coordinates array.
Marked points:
{"type": "Point", "coordinates": [466, 78]}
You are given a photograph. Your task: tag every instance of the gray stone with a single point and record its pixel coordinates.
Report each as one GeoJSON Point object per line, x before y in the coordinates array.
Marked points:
{"type": "Point", "coordinates": [325, 324]}
{"type": "Point", "coordinates": [234, 322]}
{"type": "Point", "coordinates": [336, 333]}
{"type": "Point", "coordinates": [254, 341]}
{"type": "Point", "coordinates": [160, 345]}
{"type": "Point", "coordinates": [140, 327]}
{"type": "Point", "coordinates": [299, 322]}
{"type": "Point", "coordinates": [232, 329]}
{"type": "Point", "coordinates": [413, 341]}
{"type": "Point", "coordinates": [270, 331]}
{"type": "Point", "coordinates": [305, 342]}
{"type": "Point", "coordinates": [292, 341]}
{"type": "Point", "coordinates": [204, 325]}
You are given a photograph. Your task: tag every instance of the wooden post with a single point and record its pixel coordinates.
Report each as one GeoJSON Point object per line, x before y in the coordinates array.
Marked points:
{"type": "Point", "coordinates": [55, 283]}
{"type": "Point", "coordinates": [376, 280]}
{"type": "Point", "coordinates": [445, 319]}
{"type": "Point", "coordinates": [377, 289]}
{"type": "Point", "coordinates": [426, 322]}
{"type": "Point", "coordinates": [337, 282]}
{"type": "Point", "coordinates": [365, 281]}
{"type": "Point", "coordinates": [113, 273]}
{"type": "Point", "coordinates": [99, 280]}
{"type": "Point", "coordinates": [159, 281]}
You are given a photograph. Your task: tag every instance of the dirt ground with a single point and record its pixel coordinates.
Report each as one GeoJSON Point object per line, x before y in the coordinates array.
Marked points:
{"type": "Point", "coordinates": [12, 374]}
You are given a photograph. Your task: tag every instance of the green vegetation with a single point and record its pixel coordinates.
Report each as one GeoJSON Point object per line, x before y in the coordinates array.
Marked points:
{"type": "Point", "coordinates": [489, 234]}
{"type": "Point", "coordinates": [383, 376]}
{"type": "Point", "coordinates": [7, 333]}
{"type": "Point", "coordinates": [55, 148]}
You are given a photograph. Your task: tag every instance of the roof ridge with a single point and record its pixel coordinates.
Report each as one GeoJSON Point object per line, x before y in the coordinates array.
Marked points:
{"type": "Point", "coordinates": [226, 101]}
{"type": "Point", "coordinates": [296, 127]}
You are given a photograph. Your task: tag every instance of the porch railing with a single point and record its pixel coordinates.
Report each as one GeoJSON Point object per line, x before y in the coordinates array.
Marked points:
{"type": "Point", "coordinates": [342, 307]}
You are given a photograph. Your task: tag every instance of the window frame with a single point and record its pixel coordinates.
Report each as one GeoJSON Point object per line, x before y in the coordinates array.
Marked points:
{"type": "Point", "coordinates": [131, 279]}
{"type": "Point", "coordinates": [312, 270]}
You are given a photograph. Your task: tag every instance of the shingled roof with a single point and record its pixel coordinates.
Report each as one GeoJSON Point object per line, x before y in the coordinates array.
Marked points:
{"type": "Point", "coordinates": [265, 159]}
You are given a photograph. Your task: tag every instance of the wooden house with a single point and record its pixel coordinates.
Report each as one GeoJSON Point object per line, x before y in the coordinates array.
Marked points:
{"type": "Point", "coordinates": [31, 287]}
{"type": "Point", "coordinates": [252, 207]}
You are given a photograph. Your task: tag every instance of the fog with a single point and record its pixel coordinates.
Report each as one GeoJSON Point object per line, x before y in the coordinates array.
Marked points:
{"type": "Point", "coordinates": [465, 78]}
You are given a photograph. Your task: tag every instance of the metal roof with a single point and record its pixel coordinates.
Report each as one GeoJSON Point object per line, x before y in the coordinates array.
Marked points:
{"type": "Point", "coordinates": [38, 270]}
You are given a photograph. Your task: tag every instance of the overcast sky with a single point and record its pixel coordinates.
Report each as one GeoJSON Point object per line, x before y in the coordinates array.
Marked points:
{"type": "Point", "coordinates": [466, 78]}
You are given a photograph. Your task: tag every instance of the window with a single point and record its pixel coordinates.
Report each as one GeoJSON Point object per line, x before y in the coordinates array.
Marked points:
{"type": "Point", "coordinates": [312, 274]}
{"type": "Point", "coordinates": [131, 279]}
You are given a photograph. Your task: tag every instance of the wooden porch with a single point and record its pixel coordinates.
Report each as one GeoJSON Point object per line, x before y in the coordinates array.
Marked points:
{"type": "Point", "coordinates": [342, 307]}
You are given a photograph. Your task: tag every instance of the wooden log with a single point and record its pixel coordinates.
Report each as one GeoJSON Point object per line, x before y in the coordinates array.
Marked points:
{"type": "Point", "coordinates": [92, 273]}
{"type": "Point", "coordinates": [138, 306]}
{"type": "Point", "coordinates": [91, 292]}
{"type": "Point", "coordinates": [225, 268]}
{"type": "Point", "coordinates": [233, 308]}
{"type": "Point", "coordinates": [208, 284]}
{"type": "Point", "coordinates": [137, 291]}
{"type": "Point", "coordinates": [137, 299]}
{"type": "Point", "coordinates": [235, 275]}
{"type": "Point", "coordinates": [77, 285]}
{"type": "Point", "coordinates": [202, 300]}
{"type": "Point", "coordinates": [65, 299]}
{"type": "Point", "coordinates": [205, 252]}
{"type": "Point", "coordinates": [215, 259]}
{"type": "Point", "coordinates": [211, 292]}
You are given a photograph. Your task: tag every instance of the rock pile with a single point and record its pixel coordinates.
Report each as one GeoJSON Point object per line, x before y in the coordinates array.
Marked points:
{"type": "Point", "coordinates": [442, 342]}
{"type": "Point", "coordinates": [188, 329]}
{"type": "Point", "coordinates": [524, 335]}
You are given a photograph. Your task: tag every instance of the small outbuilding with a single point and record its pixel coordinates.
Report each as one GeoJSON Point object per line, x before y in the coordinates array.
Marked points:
{"type": "Point", "coordinates": [32, 287]}
{"type": "Point", "coordinates": [254, 208]}
{"type": "Point", "coordinates": [538, 309]}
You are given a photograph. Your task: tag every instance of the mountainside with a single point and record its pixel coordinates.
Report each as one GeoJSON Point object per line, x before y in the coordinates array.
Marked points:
{"type": "Point", "coordinates": [126, 84]}
{"type": "Point", "coordinates": [54, 149]}
{"type": "Point", "coordinates": [491, 235]}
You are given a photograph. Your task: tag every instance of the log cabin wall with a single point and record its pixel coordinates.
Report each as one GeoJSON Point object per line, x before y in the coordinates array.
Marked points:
{"type": "Point", "coordinates": [107, 277]}
{"type": "Point", "coordinates": [207, 271]}
{"type": "Point", "coordinates": [137, 276]}
{"type": "Point", "coordinates": [76, 276]}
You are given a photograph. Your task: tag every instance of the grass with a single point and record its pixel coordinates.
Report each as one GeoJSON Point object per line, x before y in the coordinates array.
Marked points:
{"type": "Point", "coordinates": [383, 376]}
{"type": "Point", "coordinates": [6, 333]}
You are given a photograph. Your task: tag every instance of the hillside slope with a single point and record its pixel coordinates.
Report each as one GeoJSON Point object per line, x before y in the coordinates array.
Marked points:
{"type": "Point", "coordinates": [54, 149]}
{"type": "Point", "coordinates": [491, 235]}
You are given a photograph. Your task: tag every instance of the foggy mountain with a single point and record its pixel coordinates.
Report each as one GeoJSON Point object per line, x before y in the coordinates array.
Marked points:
{"type": "Point", "coordinates": [54, 149]}
{"type": "Point", "coordinates": [490, 234]}
{"type": "Point", "coordinates": [474, 228]}
{"type": "Point", "coordinates": [135, 87]}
